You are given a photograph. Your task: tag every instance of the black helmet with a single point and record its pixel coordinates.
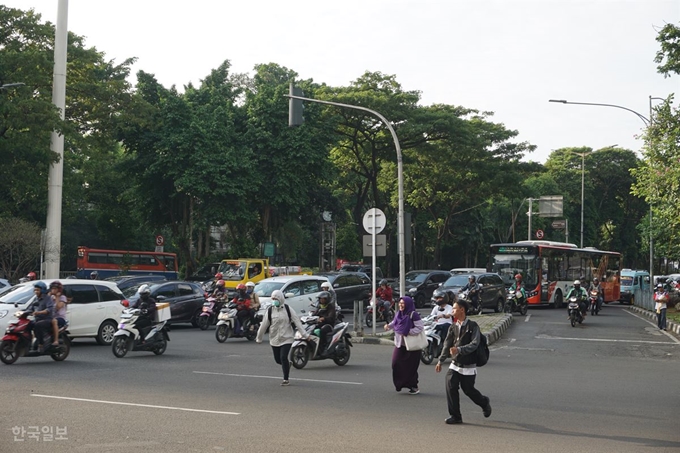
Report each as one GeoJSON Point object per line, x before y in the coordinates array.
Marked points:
{"type": "Point", "coordinates": [472, 278]}
{"type": "Point", "coordinates": [324, 295]}
{"type": "Point", "coordinates": [440, 293]}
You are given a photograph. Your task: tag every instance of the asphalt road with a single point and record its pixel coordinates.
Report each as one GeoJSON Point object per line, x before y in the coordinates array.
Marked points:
{"type": "Point", "coordinates": [609, 385]}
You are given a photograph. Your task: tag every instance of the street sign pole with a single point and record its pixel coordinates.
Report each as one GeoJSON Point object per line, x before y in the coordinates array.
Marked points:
{"type": "Point", "coordinates": [374, 221]}
{"type": "Point", "coordinates": [373, 262]}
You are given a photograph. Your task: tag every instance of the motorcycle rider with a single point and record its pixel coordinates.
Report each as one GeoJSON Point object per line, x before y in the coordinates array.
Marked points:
{"type": "Point", "coordinates": [596, 286]}
{"type": "Point", "coordinates": [254, 302]}
{"type": "Point", "coordinates": [60, 301]}
{"type": "Point", "coordinates": [581, 294]}
{"type": "Point", "coordinates": [383, 295]}
{"type": "Point", "coordinates": [326, 286]}
{"type": "Point", "coordinates": [518, 285]}
{"type": "Point", "coordinates": [43, 312]}
{"type": "Point", "coordinates": [242, 301]}
{"type": "Point", "coordinates": [443, 312]}
{"type": "Point", "coordinates": [31, 276]}
{"type": "Point", "coordinates": [327, 317]}
{"type": "Point", "coordinates": [147, 305]}
{"type": "Point", "coordinates": [473, 290]}
{"type": "Point", "coordinates": [219, 292]}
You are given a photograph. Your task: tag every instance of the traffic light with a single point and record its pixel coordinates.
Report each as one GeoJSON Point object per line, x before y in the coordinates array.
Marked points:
{"type": "Point", "coordinates": [295, 107]}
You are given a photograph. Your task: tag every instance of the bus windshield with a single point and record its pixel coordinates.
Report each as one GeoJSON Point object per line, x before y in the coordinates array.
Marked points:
{"type": "Point", "coordinates": [507, 266]}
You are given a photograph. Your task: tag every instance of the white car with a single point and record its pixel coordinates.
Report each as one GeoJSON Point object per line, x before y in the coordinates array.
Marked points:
{"type": "Point", "coordinates": [300, 291]}
{"type": "Point", "coordinates": [93, 311]}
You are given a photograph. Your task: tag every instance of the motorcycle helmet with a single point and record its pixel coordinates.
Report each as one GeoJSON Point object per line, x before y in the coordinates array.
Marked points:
{"type": "Point", "coordinates": [440, 296]}
{"type": "Point", "coordinates": [659, 286]}
{"type": "Point", "coordinates": [31, 276]}
{"type": "Point", "coordinates": [324, 295]}
{"type": "Point", "coordinates": [241, 289]}
{"type": "Point", "coordinates": [383, 282]}
{"type": "Point", "coordinates": [220, 283]}
{"type": "Point", "coordinates": [577, 283]}
{"type": "Point", "coordinates": [596, 280]}
{"type": "Point", "coordinates": [56, 284]}
{"type": "Point", "coordinates": [42, 286]}
{"type": "Point", "coordinates": [518, 277]}
{"type": "Point", "coordinates": [144, 291]}
{"type": "Point", "coordinates": [218, 276]}
{"type": "Point", "coordinates": [472, 278]}
{"type": "Point", "coordinates": [94, 275]}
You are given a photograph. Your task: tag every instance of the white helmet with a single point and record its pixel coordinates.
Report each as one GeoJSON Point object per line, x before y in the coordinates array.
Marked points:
{"type": "Point", "coordinates": [250, 285]}
{"type": "Point", "coordinates": [144, 289]}
{"type": "Point", "coordinates": [577, 282]}
{"type": "Point", "coordinates": [325, 285]}
{"type": "Point", "coordinates": [278, 295]}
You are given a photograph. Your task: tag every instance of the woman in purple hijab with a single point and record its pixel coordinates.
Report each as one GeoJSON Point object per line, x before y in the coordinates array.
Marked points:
{"type": "Point", "coordinates": [404, 362]}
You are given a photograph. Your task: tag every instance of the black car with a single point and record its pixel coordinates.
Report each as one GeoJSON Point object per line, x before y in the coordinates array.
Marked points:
{"type": "Point", "coordinates": [185, 298]}
{"type": "Point", "coordinates": [349, 286]}
{"type": "Point", "coordinates": [205, 273]}
{"type": "Point", "coordinates": [493, 289]}
{"type": "Point", "coordinates": [421, 284]}
{"type": "Point", "coordinates": [126, 281]}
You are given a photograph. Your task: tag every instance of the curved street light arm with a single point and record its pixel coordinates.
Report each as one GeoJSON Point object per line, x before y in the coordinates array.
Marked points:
{"type": "Point", "coordinates": [642, 117]}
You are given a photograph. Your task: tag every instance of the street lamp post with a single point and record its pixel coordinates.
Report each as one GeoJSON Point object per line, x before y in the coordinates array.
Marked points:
{"type": "Point", "coordinates": [647, 123]}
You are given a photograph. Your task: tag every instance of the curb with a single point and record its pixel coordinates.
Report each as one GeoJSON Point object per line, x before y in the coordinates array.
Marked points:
{"type": "Point", "coordinates": [493, 335]}
{"type": "Point", "coordinates": [670, 325]}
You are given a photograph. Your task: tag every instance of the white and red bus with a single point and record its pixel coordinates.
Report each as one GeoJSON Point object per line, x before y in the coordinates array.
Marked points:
{"type": "Point", "coordinates": [111, 263]}
{"type": "Point", "coordinates": [549, 269]}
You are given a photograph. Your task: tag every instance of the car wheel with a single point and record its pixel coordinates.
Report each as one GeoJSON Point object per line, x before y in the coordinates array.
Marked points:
{"type": "Point", "coordinates": [194, 319]}
{"type": "Point", "coordinates": [106, 332]}
{"type": "Point", "coordinates": [500, 305]}
{"type": "Point", "coordinates": [420, 301]}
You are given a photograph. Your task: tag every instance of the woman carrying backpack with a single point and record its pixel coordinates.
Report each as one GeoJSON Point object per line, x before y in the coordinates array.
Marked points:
{"type": "Point", "coordinates": [279, 319]}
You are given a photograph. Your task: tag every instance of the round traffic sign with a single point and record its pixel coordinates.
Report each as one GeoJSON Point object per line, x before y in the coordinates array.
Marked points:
{"type": "Point", "coordinates": [539, 234]}
{"type": "Point", "coordinates": [374, 217]}
{"type": "Point", "coordinates": [160, 240]}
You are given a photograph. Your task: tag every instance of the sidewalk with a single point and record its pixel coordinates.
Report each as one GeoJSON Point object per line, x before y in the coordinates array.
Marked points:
{"type": "Point", "coordinates": [492, 325]}
{"type": "Point", "coordinates": [670, 325]}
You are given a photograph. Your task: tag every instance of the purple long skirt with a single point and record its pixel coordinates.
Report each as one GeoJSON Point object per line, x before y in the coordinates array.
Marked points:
{"type": "Point", "coordinates": [405, 368]}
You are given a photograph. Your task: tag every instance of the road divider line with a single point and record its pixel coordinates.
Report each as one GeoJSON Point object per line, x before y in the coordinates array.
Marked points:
{"type": "Point", "coordinates": [607, 340]}
{"type": "Point", "coordinates": [655, 326]}
{"type": "Point", "coordinates": [527, 318]}
{"type": "Point", "coordinates": [119, 403]}
{"type": "Point", "coordinates": [278, 377]}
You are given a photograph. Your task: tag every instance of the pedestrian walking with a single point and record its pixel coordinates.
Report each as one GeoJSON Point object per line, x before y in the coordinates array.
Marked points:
{"type": "Point", "coordinates": [660, 297]}
{"type": "Point", "coordinates": [404, 362]}
{"type": "Point", "coordinates": [461, 344]}
{"type": "Point", "coordinates": [279, 319]}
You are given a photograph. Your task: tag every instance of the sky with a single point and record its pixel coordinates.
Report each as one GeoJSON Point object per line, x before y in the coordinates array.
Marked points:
{"type": "Point", "coordinates": [508, 57]}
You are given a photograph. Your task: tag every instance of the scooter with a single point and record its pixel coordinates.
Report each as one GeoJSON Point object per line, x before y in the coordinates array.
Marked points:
{"type": "Point", "coordinates": [382, 314]}
{"type": "Point", "coordinates": [434, 341]}
{"type": "Point", "coordinates": [304, 350]}
{"type": "Point", "coordinates": [574, 310]}
{"type": "Point", "coordinates": [128, 338]}
{"type": "Point", "coordinates": [475, 309]}
{"type": "Point", "coordinates": [208, 316]}
{"type": "Point", "coordinates": [19, 342]}
{"type": "Point", "coordinates": [228, 325]}
{"type": "Point", "coordinates": [594, 306]}
{"type": "Point", "coordinates": [515, 301]}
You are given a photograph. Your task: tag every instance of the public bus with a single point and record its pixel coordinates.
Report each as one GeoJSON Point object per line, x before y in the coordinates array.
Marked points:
{"type": "Point", "coordinates": [111, 263]}
{"type": "Point", "coordinates": [549, 269]}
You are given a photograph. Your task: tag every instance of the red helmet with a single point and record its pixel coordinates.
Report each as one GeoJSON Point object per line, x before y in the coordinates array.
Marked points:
{"type": "Point", "coordinates": [31, 276]}
{"type": "Point", "coordinates": [220, 283]}
{"type": "Point", "coordinates": [518, 277]}
{"type": "Point", "coordinates": [240, 287]}
{"type": "Point", "coordinates": [218, 276]}
{"type": "Point", "coordinates": [56, 284]}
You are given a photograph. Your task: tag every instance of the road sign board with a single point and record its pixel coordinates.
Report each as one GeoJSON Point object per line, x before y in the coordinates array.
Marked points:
{"type": "Point", "coordinates": [539, 234]}
{"type": "Point", "coordinates": [380, 245]}
{"type": "Point", "coordinates": [374, 216]}
{"type": "Point", "coordinates": [559, 224]}
{"type": "Point", "coordinates": [160, 240]}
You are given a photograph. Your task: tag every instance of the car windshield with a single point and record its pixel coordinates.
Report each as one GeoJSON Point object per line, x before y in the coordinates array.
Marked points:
{"type": "Point", "coordinates": [456, 280]}
{"type": "Point", "coordinates": [17, 295]}
{"type": "Point", "coordinates": [265, 289]}
{"type": "Point", "coordinates": [232, 270]}
{"type": "Point", "coordinates": [626, 281]}
{"type": "Point", "coordinates": [415, 277]}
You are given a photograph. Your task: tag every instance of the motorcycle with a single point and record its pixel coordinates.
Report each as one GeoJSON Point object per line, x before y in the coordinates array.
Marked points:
{"type": "Point", "coordinates": [303, 350]}
{"type": "Point", "coordinates": [574, 310]}
{"type": "Point", "coordinates": [382, 314]}
{"type": "Point", "coordinates": [18, 341]}
{"type": "Point", "coordinates": [228, 325]}
{"type": "Point", "coordinates": [208, 316]}
{"type": "Point", "coordinates": [594, 306]}
{"type": "Point", "coordinates": [475, 308]}
{"type": "Point", "coordinates": [128, 337]}
{"type": "Point", "coordinates": [515, 301]}
{"type": "Point", "coordinates": [434, 341]}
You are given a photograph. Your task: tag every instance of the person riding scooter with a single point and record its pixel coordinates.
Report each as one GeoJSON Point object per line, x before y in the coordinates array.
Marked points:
{"type": "Point", "coordinates": [581, 294]}
{"type": "Point", "coordinates": [596, 286]}
{"type": "Point", "coordinates": [44, 312]}
{"type": "Point", "coordinates": [443, 313]}
{"type": "Point", "coordinates": [327, 317]}
{"type": "Point", "coordinates": [242, 301]}
{"type": "Point", "coordinates": [383, 295]}
{"type": "Point", "coordinates": [473, 290]}
{"type": "Point", "coordinates": [147, 305]}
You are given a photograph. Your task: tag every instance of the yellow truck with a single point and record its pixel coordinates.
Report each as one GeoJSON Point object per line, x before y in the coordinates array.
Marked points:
{"type": "Point", "coordinates": [243, 270]}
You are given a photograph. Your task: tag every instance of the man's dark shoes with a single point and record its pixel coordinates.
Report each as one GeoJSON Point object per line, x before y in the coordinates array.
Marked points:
{"type": "Point", "coordinates": [487, 408]}
{"type": "Point", "coordinates": [453, 421]}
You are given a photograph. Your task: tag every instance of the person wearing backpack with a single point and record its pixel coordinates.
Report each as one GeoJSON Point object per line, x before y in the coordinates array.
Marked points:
{"type": "Point", "coordinates": [281, 321]}
{"type": "Point", "coordinates": [462, 343]}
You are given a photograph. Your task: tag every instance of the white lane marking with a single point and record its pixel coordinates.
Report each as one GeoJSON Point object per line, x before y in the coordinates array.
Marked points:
{"type": "Point", "coordinates": [135, 404]}
{"type": "Point", "coordinates": [608, 340]}
{"type": "Point", "coordinates": [279, 378]}
{"type": "Point", "coordinates": [527, 318]}
{"type": "Point", "coordinates": [655, 326]}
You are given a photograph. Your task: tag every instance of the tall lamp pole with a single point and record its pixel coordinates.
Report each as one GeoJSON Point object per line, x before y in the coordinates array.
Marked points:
{"type": "Point", "coordinates": [647, 123]}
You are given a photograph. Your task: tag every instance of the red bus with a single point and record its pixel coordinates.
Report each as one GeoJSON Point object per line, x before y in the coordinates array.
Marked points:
{"type": "Point", "coordinates": [111, 263]}
{"type": "Point", "coordinates": [549, 269]}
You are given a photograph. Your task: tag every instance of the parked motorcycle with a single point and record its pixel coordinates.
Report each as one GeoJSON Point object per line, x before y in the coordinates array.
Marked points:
{"type": "Point", "coordinates": [208, 316]}
{"type": "Point", "coordinates": [434, 341]}
{"type": "Point", "coordinates": [128, 338]}
{"type": "Point", "coordinates": [382, 314]}
{"type": "Point", "coordinates": [303, 350]}
{"type": "Point", "coordinates": [475, 309]}
{"type": "Point", "coordinates": [228, 325]}
{"type": "Point", "coordinates": [574, 310]}
{"type": "Point", "coordinates": [18, 341]}
{"type": "Point", "coordinates": [594, 306]}
{"type": "Point", "coordinates": [516, 302]}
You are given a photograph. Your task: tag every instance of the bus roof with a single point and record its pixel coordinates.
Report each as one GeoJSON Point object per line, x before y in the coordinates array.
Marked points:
{"type": "Point", "coordinates": [559, 245]}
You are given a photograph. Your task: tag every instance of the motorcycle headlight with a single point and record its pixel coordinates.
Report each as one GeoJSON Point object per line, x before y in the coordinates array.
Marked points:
{"type": "Point", "coordinates": [3, 313]}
